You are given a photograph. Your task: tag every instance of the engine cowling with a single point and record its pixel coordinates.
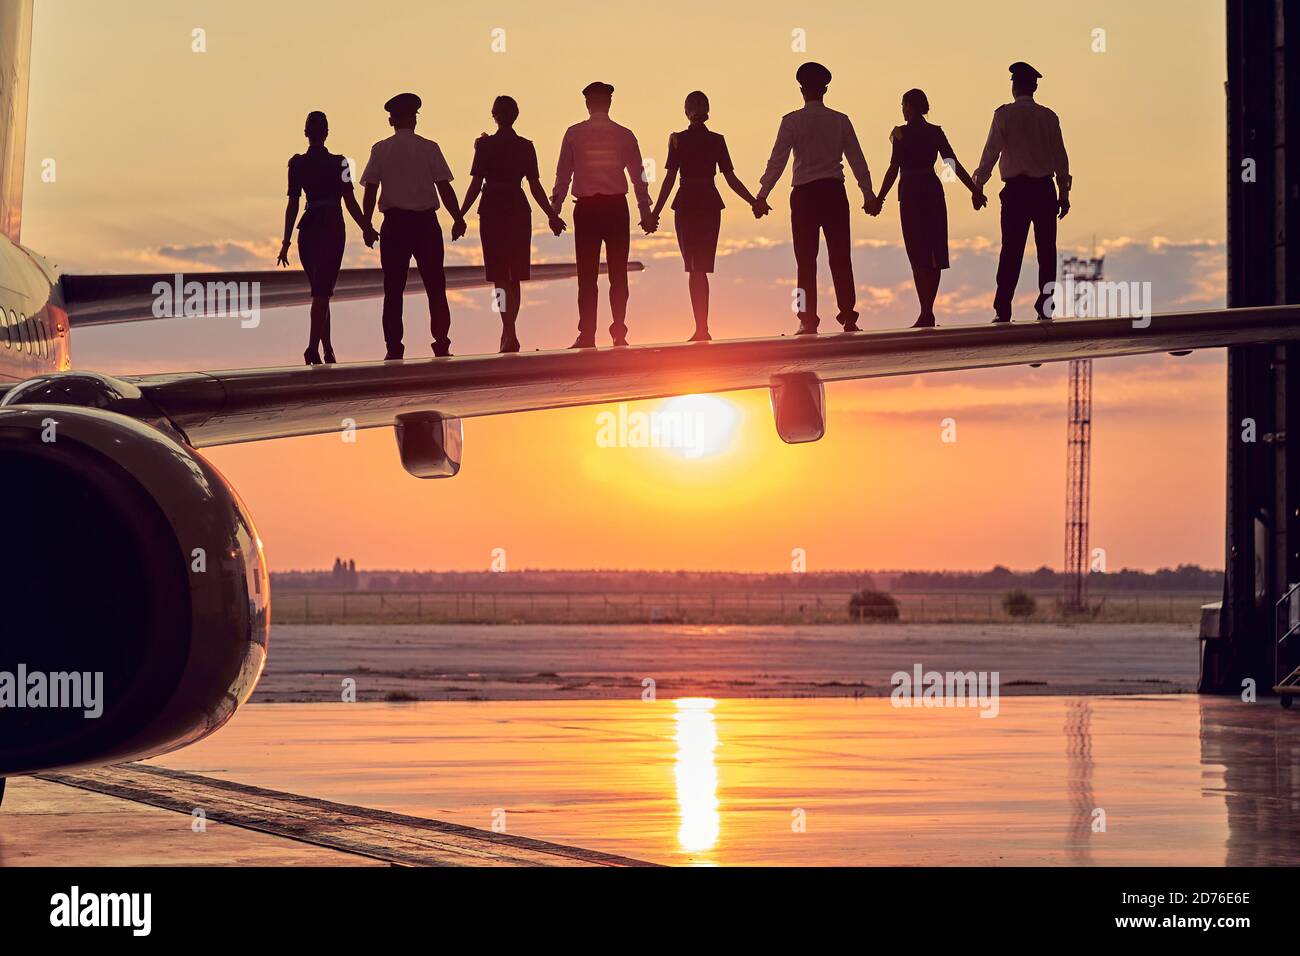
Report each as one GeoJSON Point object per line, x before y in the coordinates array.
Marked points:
{"type": "Point", "coordinates": [129, 560]}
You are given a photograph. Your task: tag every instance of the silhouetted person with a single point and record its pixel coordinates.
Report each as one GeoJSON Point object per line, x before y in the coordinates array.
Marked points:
{"type": "Point", "coordinates": [698, 154]}
{"type": "Point", "coordinates": [326, 178]}
{"type": "Point", "coordinates": [921, 206]}
{"type": "Point", "coordinates": [413, 175]}
{"type": "Point", "coordinates": [502, 162]}
{"type": "Point", "coordinates": [1025, 141]}
{"type": "Point", "coordinates": [598, 156]}
{"type": "Point", "coordinates": [819, 137]}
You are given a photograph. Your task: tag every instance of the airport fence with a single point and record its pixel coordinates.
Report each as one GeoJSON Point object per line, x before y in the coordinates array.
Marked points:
{"type": "Point", "coordinates": [740, 607]}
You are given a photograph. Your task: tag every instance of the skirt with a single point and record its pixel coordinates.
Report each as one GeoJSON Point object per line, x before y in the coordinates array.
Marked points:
{"type": "Point", "coordinates": [697, 237]}
{"type": "Point", "coordinates": [320, 248]}
{"type": "Point", "coordinates": [925, 219]}
{"type": "Point", "coordinates": [506, 231]}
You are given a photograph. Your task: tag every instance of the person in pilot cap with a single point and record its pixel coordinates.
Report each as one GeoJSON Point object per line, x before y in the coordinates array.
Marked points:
{"type": "Point", "coordinates": [408, 175]}
{"type": "Point", "coordinates": [1026, 143]}
{"type": "Point", "coordinates": [820, 138]}
{"type": "Point", "coordinates": [598, 157]}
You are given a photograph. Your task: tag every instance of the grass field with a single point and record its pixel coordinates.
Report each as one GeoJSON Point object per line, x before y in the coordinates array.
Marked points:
{"type": "Point", "coordinates": [551, 607]}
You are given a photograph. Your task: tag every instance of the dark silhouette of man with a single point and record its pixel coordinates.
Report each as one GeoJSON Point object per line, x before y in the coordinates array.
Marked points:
{"type": "Point", "coordinates": [1025, 141]}
{"type": "Point", "coordinates": [413, 175]}
{"type": "Point", "coordinates": [598, 156]}
{"type": "Point", "coordinates": [819, 137]}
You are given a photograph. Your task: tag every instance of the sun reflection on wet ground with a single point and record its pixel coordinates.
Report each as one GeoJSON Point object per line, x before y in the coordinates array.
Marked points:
{"type": "Point", "coordinates": [1051, 780]}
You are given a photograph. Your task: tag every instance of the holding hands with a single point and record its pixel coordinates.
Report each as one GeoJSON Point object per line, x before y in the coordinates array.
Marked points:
{"type": "Point", "coordinates": [370, 235]}
{"type": "Point", "coordinates": [872, 205]}
{"type": "Point", "coordinates": [978, 200]}
{"type": "Point", "coordinates": [458, 228]}
{"type": "Point", "coordinates": [557, 225]}
{"type": "Point", "coordinates": [649, 222]}
{"type": "Point", "coordinates": [760, 208]}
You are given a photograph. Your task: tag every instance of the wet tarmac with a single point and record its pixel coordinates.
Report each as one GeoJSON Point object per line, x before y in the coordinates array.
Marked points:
{"type": "Point", "coordinates": [1160, 780]}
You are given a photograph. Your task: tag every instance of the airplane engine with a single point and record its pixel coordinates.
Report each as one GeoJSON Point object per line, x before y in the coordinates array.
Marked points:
{"type": "Point", "coordinates": [136, 593]}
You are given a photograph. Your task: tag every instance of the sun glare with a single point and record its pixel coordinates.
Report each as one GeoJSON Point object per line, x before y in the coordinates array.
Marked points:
{"type": "Point", "coordinates": [701, 425]}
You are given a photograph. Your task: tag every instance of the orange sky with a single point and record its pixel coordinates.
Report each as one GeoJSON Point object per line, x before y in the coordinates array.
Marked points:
{"type": "Point", "coordinates": [169, 159]}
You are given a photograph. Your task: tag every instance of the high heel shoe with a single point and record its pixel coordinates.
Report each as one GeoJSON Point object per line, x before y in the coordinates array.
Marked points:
{"type": "Point", "coordinates": [509, 342]}
{"type": "Point", "coordinates": [701, 335]}
{"type": "Point", "coordinates": [329, 356]}
{"type": "Point", "coordinates": [924, 322]}
{"type": "Point", "coordinates": [311, 355]}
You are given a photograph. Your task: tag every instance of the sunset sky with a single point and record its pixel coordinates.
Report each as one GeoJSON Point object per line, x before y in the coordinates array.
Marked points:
{"type": "Point", "coordinates": [167, 159]}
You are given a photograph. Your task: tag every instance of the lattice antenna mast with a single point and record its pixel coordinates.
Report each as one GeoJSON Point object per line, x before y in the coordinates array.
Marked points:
{"type": "Point", "coordinates": [1077, 273]}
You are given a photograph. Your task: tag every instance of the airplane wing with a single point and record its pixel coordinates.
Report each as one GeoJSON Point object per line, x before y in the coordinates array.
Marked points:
{"type": "Point", "coordinates": [106, 299]}
{"type": "Point", "coordinates": [217, 408]}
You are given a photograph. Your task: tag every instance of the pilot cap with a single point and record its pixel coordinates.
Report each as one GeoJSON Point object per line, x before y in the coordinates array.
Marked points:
{"type": "Point", "coordinates": [598, 89]}
{"type": "Point", "coordinates": [813, 74]}
{"type": "Point", "coordinates": [403, 104]}
{"type": "Point", "coordinates": [1021, 68]}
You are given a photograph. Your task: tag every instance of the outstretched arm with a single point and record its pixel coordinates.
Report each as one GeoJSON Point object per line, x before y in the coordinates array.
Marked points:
{"type": "Point", "coordinates": [544, 204]}
{"type": "Point", "coordinates": [858, 164]}
{"type": "Point", "coordinates": [448, 193]}
{"type": "Point", "coordinates": [888, 183]}
{"type": "Point", "coordinates": [359, 217]}
{"type": "Point", "coordinates": [368, 202]}
{"type": "Point", "coordinates": [471, 195]}
{"type": "Point", "coordinates": [635, 168]}
{"type": "Point", "coordinates": [666, 190]}
{"type": "Point", "coordinates": [737, 186]}
{"type": "Point", "coordinates": [563, 173]}
{"type": "Point", "coordinates": [776, 162]}
{"type": "Point", "coordinates": [992, 150]}
{"type": "Point", "coordinates": [978, 199]}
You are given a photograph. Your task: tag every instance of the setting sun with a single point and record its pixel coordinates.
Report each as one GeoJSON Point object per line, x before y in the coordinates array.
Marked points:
{"type": "Point", "coordinates": [706, 423]}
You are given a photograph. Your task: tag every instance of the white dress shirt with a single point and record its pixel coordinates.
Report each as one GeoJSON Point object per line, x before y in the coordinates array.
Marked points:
{"type": "Point", "coordinates": [819, 137]}
{"type": "Point", "coordinates": [406, 167]}
{"type": "Point", "coordinates": [1024, 140]}
{"type": "Point", "coordinates": [599, 156]}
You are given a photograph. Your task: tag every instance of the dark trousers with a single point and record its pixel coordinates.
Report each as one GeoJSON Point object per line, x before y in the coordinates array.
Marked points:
{"type": "Point", "coordinates": [817, 207]}
{"type": "Point", "coordinates": [405, 234]}
{"type": "Point", "coordinates": [1026, 201]}
{"type": "Point", "coordinates": [596, 220]}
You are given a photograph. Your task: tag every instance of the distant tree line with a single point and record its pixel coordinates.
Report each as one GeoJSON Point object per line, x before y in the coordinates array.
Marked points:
{"type": "Point", "coordinates": [669, 582]}
{"type": "Point", "coordinates": [345, 576]}
{"type": "Point", "coordinates": [1185, 577]}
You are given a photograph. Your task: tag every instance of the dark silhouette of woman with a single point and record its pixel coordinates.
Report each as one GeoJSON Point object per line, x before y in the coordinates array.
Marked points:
{"type": "Point", "coordinates": [502, 161]}
{"type": "Point", "coordinates": [698, 154]}
{"type": "Point", "coordinates": [916, 145]}
{"type": "Point", "coordinates": [325, 178]}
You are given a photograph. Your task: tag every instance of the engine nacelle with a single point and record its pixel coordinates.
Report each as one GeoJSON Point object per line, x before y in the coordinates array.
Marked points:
{"type": "Point", "coordinates": [136, 596]}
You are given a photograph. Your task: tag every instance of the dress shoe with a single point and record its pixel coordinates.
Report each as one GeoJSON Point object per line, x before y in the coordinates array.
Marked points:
{"type": "Point", "coordinates": [583, 342]}
{"type": "Point", "coordinates": [509, 342]}
{"type": "Point", "coordinates": [849, 321]}
{"type": "Point", "coordinates": [701, 335]}
{"type": "Point", "coordinates": [329, 357]}
{"type": "Point", "coordinates": [311, 356]}
{"type": "Point", "coordinates": [806, 329]}
{"type": "Point", "coordinates": [924, 322]}
{"type": "Point", "coordinates": [999, 320]}
{"type": "Point", "coordinates": [442, 349]}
